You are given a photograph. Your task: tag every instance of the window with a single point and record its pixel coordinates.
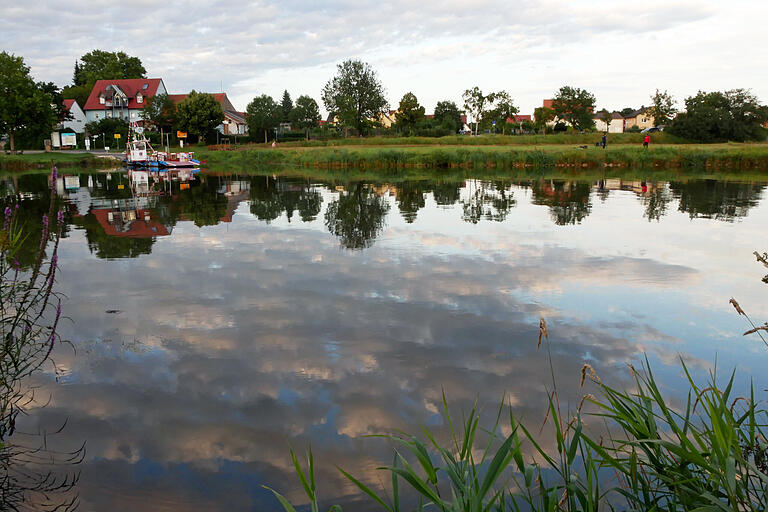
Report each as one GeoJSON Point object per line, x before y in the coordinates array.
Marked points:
{"type": "Point", "coordinates": [97, 115]}
{"type": "Point", "coordinates": [139, 98]}
{"type": "Point", "coordinates": [101, 99]}
{"type": "Point", "coordinates": [644, 120]}
{"type": "Point", "coordinates": [109, 113]}
{"type": "Point", "coordinates": [144, 87]}
{"type": "Point", "coordinates": [133, 115]}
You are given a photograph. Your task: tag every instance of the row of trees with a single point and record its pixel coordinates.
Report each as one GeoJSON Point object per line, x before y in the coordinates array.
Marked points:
{"type": "Point", "coordinates": [264, 114]}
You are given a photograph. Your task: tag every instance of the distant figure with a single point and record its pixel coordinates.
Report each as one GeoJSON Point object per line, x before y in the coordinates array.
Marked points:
{"type": "Point", "coordinates": [274, 144]}
{"type": "Point", "coordinates": [604, 140]}
{"type": "Point", "coordinates": [646, 140]}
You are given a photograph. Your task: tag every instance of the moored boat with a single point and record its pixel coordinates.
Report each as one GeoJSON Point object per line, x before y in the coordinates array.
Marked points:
{"type": "Point", "coordinates": [139, 153]}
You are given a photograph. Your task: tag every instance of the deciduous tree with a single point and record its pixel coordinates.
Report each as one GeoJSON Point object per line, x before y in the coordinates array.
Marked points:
{"type": "Point", "coordinates": [160, 110]}
{"type": "Point", "coordinates": [474, 103]}
{"type": "Point", "coordinates": [721, 116]}
{"type": "Point", "coordinates": [305, 114]}
{"type": "Point", "coordinates": [500, 108]}
{"type": "Point", "coordinates": [101, 65]}
{"type": "Point", "coordinates": [199, 114]}
{"type": "Point", "coordinates": [354, 94]}
{"type": "Point", "coordinates": [24, 104]}
{"type": "Point", "coordinates": [575, 106]}
{"type": "Point", "coordinates": [542, 116]}
{"type": "Point", "coordinates": [409, 112]}
{"type": "Point", "coordinates": [662, 108]}
{"type": "Point", "coordinates": [262, 114]}
{"type": "Point", "coordinates": [447, 113]}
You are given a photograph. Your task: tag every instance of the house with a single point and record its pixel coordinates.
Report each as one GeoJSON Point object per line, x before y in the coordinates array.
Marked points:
{"type": "Point", "coordinates": [387, 119]}
{"type": "Point", "coordinates": [640, 118]}
{"type": "Point", "coordinates": [234, 120]}
{"type": "Point", "coordinates": [77, 121]}
{"type": "Point", "coordinates": [615, 125]}
{"type": "Point", "coordinates": [122, 99]}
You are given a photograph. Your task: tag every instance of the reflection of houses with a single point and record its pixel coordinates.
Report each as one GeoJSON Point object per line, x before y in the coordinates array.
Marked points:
{"type": "Point", "coordinates": [636, 186]}
{"type": "Point", "coordinates": [130, 222]}
{"type": "Point", "coordinates": [234, 121]}
{"type": "Point", "coordinates": [235, 192]}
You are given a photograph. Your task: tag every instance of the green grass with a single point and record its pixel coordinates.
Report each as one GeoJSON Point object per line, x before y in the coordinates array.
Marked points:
{"type": "Point", "coordinates": [672, 156]}
{"type": "Point", "coordinates": [44, 160]}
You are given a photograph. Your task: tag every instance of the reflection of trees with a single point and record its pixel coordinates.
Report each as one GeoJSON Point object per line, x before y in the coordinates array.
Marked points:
{"type": "Point", "coordinates": [410, 199]}
{"type": "Point", "coordinates": [446, 194]}
{"type": "Point", "coordinates": [487, 200]}
{"type": "Point", "coordinates": [656, 202]}
{"type": "Point", "coordinates": [357, 216]}
{"type": "Point", "coordinates": [270, 197]}
{"type": "Point", "coordinates": [568, 201]}
{"type": "Point", "coordinates": [202, 203]}
{"type": "Point", "coordinates": [713, 199]}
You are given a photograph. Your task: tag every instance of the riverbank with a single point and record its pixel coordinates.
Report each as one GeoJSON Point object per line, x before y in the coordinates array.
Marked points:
{"type": "Point", "coordinates": [30, 161]}
{"type": "Point", "coordinates": [729, 156]}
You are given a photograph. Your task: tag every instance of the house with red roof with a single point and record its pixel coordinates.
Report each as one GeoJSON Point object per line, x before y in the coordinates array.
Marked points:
{"type": "Point", "coordinates": [234, 120]}
{"type": "Point", "coordinates": [76, 121]}
{"type": "Point", "coordinates": [121, 98]}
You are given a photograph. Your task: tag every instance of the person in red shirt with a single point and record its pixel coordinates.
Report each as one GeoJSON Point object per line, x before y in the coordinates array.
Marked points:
{"type": "Point", "coordinates": [646, 140]}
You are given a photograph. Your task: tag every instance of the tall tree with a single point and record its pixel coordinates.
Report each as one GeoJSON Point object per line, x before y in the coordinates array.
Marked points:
{"type": "Point", "coordinates": [542, 116]}
{"type": "Point", "coordinates": [721, 116]}
{"type": "Point", "coordinates": [474, 103]}
{"type": "Point", "coordinates": [662, 108]}
{"type": "Point", "coordinates": [575, 106]}
{"type": "Point", "coordinates": [199, 114]}
{"type": "Point", "coordinates": [501, 109]}
{"type": "Point", "coordinates": [357, 216]}
{"type": "Point", "coordinates": [24, 104]}
{"type": "Point", "coordinates": [447, 113]}
{"type": "Point", "coordinates": [262, 113]}
{"type": "Point", "coordinates": [287, 106]}
{"type": "Point", "coordinates": [409, 112]}
{"type": "Point", "coordinates": [305, 114]}
{"type": "Point", "coordinates": [101, 65]}
{"type": "Point", "coordinates": [355, 94]}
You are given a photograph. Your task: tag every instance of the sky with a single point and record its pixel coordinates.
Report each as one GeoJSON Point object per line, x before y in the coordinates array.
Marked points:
{"type": "Point", "coordinates": [619, 50]}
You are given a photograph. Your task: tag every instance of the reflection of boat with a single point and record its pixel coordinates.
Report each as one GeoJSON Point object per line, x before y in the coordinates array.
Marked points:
{"type": "Point", "coordinates": [139, 153]}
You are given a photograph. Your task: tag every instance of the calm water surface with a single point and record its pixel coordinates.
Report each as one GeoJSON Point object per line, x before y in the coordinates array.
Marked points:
{"type": "Point", "coordinates": [216, 321]}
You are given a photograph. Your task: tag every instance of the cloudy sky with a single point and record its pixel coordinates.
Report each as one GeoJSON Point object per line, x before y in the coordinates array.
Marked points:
{"type": "Point", "coordinates": [619, 50]}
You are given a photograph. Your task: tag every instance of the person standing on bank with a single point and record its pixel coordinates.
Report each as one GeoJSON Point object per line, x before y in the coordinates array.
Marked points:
{"type": "Point", "coordinates": [646, 141]}
{"type": "Point", "coordinates": [604, 140]}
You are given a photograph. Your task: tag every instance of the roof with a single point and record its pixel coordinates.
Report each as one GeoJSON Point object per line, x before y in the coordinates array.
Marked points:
{"type": "Point", "coordinates": [130, 86]}
{"type": "Point", "coordinates": [238, 117]}
{"type": "Point", "coordinates": [519, 118]}
{"type": "Point", "coordinates": [636, 113]}
{"type": "Point", "coordinates": [614, 115]}
{"type": "Point", "coordinates": [68, 104]}
{"type": "Point", "coordinates": [138, 228]}
{"type": "Point", "coordinates": [221, 97]}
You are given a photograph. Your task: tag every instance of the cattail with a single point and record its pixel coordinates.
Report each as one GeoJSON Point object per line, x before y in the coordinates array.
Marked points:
{"type": "Point", "coordinates": [737, 307]}
{"type": "Point", "coordinates": [542, 331]}
{"type": "Point", "coordinates": [588, 369]}
{"type": "Point", "coordinates": [584, 399]}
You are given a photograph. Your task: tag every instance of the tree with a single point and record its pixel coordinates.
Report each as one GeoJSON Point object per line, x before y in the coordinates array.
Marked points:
{"type": "Point", "coordinates": [606, 117]}
{"type": "Point", "coordinates": [626, 111]}
{"type": "Point", "coordinates": [24, 104]}
{"type": "Point", "coordinates": [575, 106]}
{"type": "Point", "coordinates": [448, 114]}
{"type": "Point", "coordinates": [262, 113]}
{"type": "Point", "coordinates": [101, 65]}
{"type": "Point", "coordinates": [107, 128]}
{"type": "Point", "coordinates": [501, 109]}
{"type": "Point", "coordinates": [662, 108]}
{"type": "Point", "coordinates": [305, 114]}
{"type": "Point", "coordinates": [721, 116]}
{"type": "Point", "coordinates": [357, 216]}
{"type": "Point", "coordinates": [474, 104]}
{"type": "Point", "coordinates": [409, 112]}
{"type": "Point", "coordinates": [542, 116]}
{"type": "Point", "coordinates": [160, 110]}
{"type": "Point", "coordinates": [287, 106]}
{"type": "Point", "coordinates": [354, 94]}
{"type": "Point", "coordinates": [199, 114]}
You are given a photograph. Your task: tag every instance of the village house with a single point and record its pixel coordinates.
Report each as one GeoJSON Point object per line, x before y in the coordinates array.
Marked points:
{"type": "Point", "coordinates": [615, 125]}
{"type": "Point", "coordinates": [122, 99]}
{"type": "Point", "coordinates": [234, 121]}
{"type": "Point", "coordinates": [640, 118]}
{"type": "Point", "coordinates": [77, 121]}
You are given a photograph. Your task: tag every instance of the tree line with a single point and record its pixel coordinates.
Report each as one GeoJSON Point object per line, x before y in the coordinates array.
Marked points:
{"type": "Point", "coordinates": [356, 101]}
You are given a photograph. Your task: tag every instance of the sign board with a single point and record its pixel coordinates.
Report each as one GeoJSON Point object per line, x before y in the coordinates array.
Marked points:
{"type": "Point", "coordinates": [71, 182]}
{"type": "Point", "coordinates": [87, 143]}
{"type": "Point", "coordinates": [117, 135]}
{"type": "Point", "coordinates": [56, 139]}
{"type": "Point", "coordinates": [139, 129]}
{"type": "Point", "coordinates": [181, 135]}
{"type": "Point", "coordinates": [184, 186]}
{"type": "Point", "coordinates": [68, 139]}
{"type": "Point", "coordinates": [120, 187]}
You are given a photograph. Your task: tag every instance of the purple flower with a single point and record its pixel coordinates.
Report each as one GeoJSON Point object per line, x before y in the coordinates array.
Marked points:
{"type": "Point", "coordinates": [16, 263]}
{"type": "Point", "coordinates": [54, 173]}
{"type": "Point", "coordinates": [7, 218]}
{"type": "Point", "coordinates": [60, 216]}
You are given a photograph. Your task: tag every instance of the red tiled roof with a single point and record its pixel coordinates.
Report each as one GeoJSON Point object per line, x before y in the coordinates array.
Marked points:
{"type": "Point", "coordinates": [130, 86]}
{"type": "Point", "coordinates": [178, 98]}
{"type": "Point", "coordinates": [68, 104]}
{"type": "Point", "coordinates": [519, 118]}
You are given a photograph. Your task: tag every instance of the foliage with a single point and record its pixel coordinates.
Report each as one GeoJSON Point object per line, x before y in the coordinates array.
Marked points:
{"type": "Point", "coordinates": [447, 113]}
{"type": "Point", "coordinates": [721, 116]}
{"type": "Point", "coordinates": [355, 94]}
{"type": "Point", "coordinates": [409, 112]}
{"type": "Point", "coordinates": [199, 114]}
{"type": "Point", "coordinates": [474, 104]}
{"type": "Point", "coordinates": [662, 108]}
{"type": "Point", "coordinates": [357, 217]}
{"type": "Point", "coordinates": [106, 129]}
{"type": "Point", "coordinates": [500, 109]}
{"type": "Point", "coordinates": [24, 104]}
{"type": "Point", "coordinates": [262, 114]}
{"type": "Point", "coordinates": [606, 117]}
{"type": "Point", "coordinates": [160, 110]}
{"type": "Point", "coordinates": [287, 106]}
{"type": "Point", "coordinates": [542, 116]}
{"type": "Point", "coordinates": [306, 114]}
{"type": "Point", "coordinates": [101, 65]}
{"type": "Point", "coordinates": [574, 106]}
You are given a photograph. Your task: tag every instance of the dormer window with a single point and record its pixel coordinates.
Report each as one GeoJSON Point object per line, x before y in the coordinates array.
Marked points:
{"type": "Point", "coordinates": [102, 100]}
{"type": "Point", "coordinates": [139, 98]}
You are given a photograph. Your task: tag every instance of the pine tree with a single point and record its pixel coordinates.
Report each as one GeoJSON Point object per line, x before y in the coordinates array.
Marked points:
{"type": "Point", "coordinates": [287, 106]}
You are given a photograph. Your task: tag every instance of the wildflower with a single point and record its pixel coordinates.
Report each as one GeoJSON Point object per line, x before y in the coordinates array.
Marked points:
{"type": "Point", "coordinates": [54, 174]}
{"type": "Point", "coordinates": [60, 216]}
{"type": "Point", "coordinates": [7, 218]}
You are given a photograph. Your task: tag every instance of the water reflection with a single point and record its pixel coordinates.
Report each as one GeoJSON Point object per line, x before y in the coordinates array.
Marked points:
{"type": "Point", "coordinates": [246, 327]}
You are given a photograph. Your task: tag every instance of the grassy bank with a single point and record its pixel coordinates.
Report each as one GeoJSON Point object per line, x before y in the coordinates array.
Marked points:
{"type": "Point", "coordinates": [673, 156]}
{"type": "Point", "coordinates": [45, 160]}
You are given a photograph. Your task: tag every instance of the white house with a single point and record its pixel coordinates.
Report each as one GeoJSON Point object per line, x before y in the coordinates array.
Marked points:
{"type": "Point", "coordinates": [616, 124]}
{"type": "Point", "coordinates": [77, 121]}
